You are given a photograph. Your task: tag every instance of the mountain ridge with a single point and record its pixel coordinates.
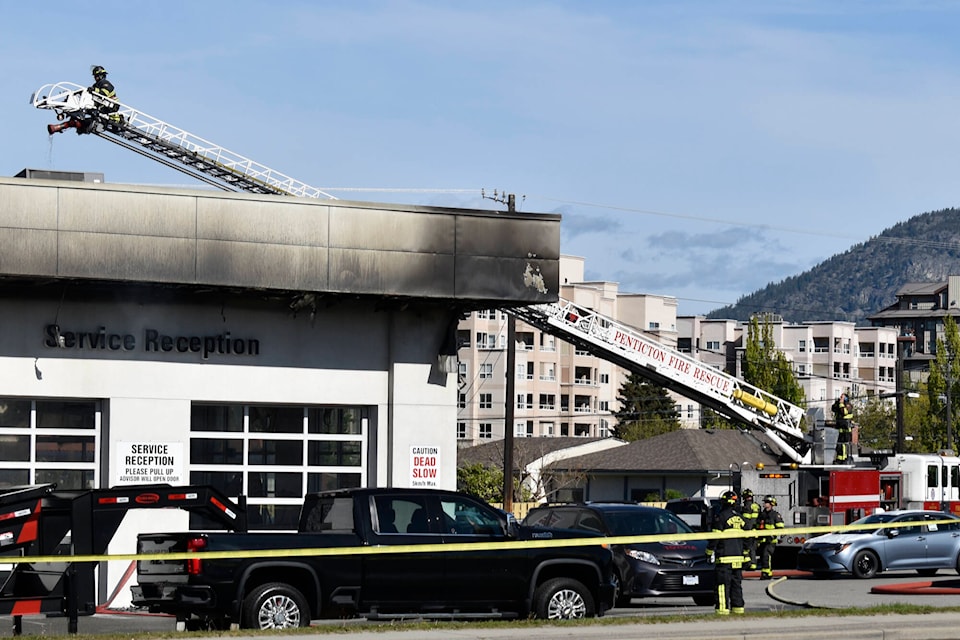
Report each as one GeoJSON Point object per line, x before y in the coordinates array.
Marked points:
{"type": "Point", "coordinates": [864, 279]}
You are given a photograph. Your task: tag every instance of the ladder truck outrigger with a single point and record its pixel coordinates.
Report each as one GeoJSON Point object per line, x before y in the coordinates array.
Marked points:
{"type": "Point", "coordinates": [843, 492]}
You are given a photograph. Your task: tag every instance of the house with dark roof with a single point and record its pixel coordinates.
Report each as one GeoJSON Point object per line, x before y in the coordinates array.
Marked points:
{"type": "Point", "coordinates": [688, 461]}
{"type": "Point", "coordinates": [531, 456]}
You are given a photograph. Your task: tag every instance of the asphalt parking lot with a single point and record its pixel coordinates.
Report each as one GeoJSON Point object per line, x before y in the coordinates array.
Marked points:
{"type": "Point", "coordinates": [785, 593]}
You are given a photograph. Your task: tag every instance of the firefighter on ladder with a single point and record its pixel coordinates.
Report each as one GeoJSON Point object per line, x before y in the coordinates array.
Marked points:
{"type": "Point", "coordinates": [769, 520]}
{"type": "Point", "coordinates": [843, 415]}
{"type": "Point", "coordinates": [727, 556]}
{"type": "Point", "coordinates": [750, 512]}
{"type": "Point", "coordinates": [88, 120]}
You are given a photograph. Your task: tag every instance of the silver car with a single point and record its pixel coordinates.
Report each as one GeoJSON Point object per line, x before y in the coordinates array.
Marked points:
{"type": "Point", "coordinates": [918, 544]}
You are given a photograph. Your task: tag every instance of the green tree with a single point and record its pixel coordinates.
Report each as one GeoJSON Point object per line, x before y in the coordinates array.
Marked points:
{"type": "Point", "coordinates": [877, 420]}
{"type": "Point", "coordinates": [710, 419]}
{"type": "Point", "coordinates": [765, 366]}
{"type": "Point", "coordinates": [481, 481]}
{"type": "Point", "coordinates": [486, 483]}
{"type": "Point", "coordinates": [943, 382]}
{"type": "Point", "coordinates": [646, 410]}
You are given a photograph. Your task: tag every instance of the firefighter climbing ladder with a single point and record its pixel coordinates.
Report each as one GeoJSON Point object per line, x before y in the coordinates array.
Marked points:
{"type": "Point", "coordinates": [629, 348]}
{"type": "Point", "coordinates": [602, 336]}
{"type": "Point", "coordinates": [167, 144]}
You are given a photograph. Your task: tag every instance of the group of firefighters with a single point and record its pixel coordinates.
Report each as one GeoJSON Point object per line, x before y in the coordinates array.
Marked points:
{"type": "Point", "coordinates": [730, 555]}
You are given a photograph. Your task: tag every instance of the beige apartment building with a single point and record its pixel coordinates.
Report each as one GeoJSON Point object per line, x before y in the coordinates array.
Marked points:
{"type": "Point", "coordinates": [562, 391]}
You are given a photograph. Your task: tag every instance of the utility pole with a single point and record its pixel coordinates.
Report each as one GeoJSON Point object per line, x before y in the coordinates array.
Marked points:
{"type": "Point", "coordinates": [902, 340]}
{"type": "Point", "coordinates": [508, 414]}
{"type": "Point", "coordinates": [949, 373]}
{"type": "Point", "coordinates": [509, 403]}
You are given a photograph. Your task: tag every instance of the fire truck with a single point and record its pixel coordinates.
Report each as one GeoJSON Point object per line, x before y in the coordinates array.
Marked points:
{"type": "Point", "coordinates": [824, 495]}
{"type": "Point", "coordinates": [810, 489]}
{"type": "Point", "coordinates": [91, 114]}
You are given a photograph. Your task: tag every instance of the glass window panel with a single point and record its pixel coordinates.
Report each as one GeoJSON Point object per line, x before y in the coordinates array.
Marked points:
{"type": "Point", "coordinates": [229, 482]}
{"type": "Point", "coordinates": [270, 516]}
{"type": "Point", "coordinates": [333, 454]}
{"type": "Point", "coordinates": [269, 484]}
{"type": "Point", "coordinates": [14, 477]}
{"type": "Point", "coordinates": [330, 481]}
{"type": "Point", "coordinates": [275, 452]}
{"type": "Point", "coordinates": [15, 448]}
{"type": "Point", "coordinates": [56, 414]}
{"type": "Point", "coordinates": [216, 417]}
{"type": "Point", "coordinates": [336, 420]}
{"type": "Point", "coordinates": [220, 451]}
{"type": "Point", "coordinates": [66, 478]}
{"type": "Point", "coordinates": [65, 449]}
{"type": "Point", "coordinates": [276, 419]}
{"type": "Point", "coordinates": [14, 413]}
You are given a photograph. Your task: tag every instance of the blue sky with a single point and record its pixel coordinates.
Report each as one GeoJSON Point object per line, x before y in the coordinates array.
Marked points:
{"type": "Point", "coordinates": [696, 149]}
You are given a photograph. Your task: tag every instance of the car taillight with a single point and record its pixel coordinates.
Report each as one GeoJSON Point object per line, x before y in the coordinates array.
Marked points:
{"type": "Point", "coordinates": [195, 564]}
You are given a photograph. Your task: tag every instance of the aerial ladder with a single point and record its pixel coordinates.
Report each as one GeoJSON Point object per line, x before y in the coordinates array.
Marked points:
{"type": "Point", "coordinates": [89, 113]}
{"type": "Point", "coordinates": [629, 348]}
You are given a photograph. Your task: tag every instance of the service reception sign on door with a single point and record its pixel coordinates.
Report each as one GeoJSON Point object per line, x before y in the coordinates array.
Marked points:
{"type": "Point", "coordinates": [425, 467]}
{"type": "Point", "coordinates": [150, 462]}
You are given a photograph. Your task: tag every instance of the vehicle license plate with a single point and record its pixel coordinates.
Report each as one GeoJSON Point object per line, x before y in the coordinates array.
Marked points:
{"type": "Point", "coordinates": [690, 580]}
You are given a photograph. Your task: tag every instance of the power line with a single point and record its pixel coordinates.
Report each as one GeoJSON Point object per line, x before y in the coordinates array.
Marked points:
{"type": "Point", "coordinates": [402, 190]}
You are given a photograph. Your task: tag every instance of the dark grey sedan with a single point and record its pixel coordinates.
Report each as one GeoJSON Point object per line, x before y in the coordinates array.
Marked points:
{"type": "Point", "coordinates": [667, 567]}
{"type": "Point", "coordinates": [925, 541]}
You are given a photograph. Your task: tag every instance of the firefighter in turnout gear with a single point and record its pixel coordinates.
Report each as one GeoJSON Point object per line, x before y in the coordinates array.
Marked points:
{"type": "Point", "coordinates": [727, 555]}
{"type": "Point", "coordinates": [104, 88]}
{"type": "Point", "coordinates": [843, 415]}
{"type": "Point", "coordinates": [751, 511]}
{"type": "Point", "coordinates": [769, 520]}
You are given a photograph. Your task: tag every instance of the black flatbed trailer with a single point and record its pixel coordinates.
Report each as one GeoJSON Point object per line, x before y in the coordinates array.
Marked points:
{"type": "Point", "coordinates": [35, 520]}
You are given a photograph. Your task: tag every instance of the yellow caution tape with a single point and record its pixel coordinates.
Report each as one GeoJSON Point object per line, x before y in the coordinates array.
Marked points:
{"type": "Point", "coordinates": [464, 546]}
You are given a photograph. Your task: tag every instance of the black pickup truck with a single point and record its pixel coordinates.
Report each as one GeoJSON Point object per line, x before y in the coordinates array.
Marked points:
{"type": "Point", "coordinates": [253, 591]}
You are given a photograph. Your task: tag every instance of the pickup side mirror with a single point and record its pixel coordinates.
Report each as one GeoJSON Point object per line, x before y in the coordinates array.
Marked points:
{"type": "Point", "coordinates": [512, 528]}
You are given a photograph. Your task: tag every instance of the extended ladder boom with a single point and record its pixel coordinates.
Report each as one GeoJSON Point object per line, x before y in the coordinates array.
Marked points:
{"type": "Point", "coordinates": [165, 143]}
{"type": "Point", "coordinates": [625, 346]}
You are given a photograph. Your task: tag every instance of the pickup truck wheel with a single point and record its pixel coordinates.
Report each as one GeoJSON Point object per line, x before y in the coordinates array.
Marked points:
{"type": "Point", "coordinates": [563, 599]}
{"type": "Point", "coordinates": [275, 606]}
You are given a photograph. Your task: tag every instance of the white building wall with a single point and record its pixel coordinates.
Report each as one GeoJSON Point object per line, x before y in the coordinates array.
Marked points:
{"type": "Point", "coordinates": [351, 355]}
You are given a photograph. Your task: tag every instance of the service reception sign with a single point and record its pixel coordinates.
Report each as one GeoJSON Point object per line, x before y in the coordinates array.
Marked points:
{"type": "Point", "coordinates": [150, 462]}
{"type": "Point", "coordinates": [425, 467]}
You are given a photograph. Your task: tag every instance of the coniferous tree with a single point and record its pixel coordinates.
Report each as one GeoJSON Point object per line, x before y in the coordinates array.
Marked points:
{"type": "Point", "coordinates": [646, 410]}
